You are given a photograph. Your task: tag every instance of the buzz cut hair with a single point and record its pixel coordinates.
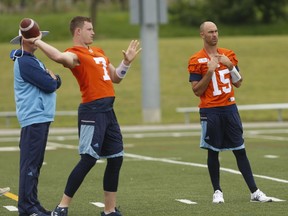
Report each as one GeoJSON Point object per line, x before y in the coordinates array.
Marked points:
{"type": "Point", "coordinates": [78, 22]}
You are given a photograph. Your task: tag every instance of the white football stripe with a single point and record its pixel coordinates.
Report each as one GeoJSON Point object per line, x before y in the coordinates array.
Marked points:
{"type": "Point", "coordinates": [28, 27]}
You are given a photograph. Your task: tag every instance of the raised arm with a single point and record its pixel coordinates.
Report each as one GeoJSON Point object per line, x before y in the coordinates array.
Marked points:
{"type": "Point", "coordinates": [117, 74]}
{"type": "Point", "coordinates": [67, 59]}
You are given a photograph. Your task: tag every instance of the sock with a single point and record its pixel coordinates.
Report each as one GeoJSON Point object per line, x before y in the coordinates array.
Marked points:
{"type": "Point", "coordinates": [245, 168]}
{"type": "Point", "coordinates": [111, 175]}
{"type": "Point", "coordinates": [214, 169]}
{"type": "Point", "coordinates": [78, 174]}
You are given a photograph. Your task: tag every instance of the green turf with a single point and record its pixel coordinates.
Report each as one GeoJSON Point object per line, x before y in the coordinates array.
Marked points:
{"type": "Point", "coordinates": [149, 188]}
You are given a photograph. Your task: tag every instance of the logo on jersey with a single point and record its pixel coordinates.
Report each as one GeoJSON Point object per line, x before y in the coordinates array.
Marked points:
{"type": "Point", "coordinates": [202, 60]}
{"type": "Point", "coordinates": [96, 145]}
{"type": "Point", "coordinates": [231, 99]}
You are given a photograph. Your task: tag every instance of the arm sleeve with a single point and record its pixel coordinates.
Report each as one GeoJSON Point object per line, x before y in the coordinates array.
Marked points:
{"type": "Point", "coordinates": [33, 73]}
{"type": "Point", "coordinates": [194, 69]}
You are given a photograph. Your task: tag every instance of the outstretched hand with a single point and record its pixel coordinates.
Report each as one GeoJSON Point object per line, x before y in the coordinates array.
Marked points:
{"type": "Point", "coordinates": [131, 52]}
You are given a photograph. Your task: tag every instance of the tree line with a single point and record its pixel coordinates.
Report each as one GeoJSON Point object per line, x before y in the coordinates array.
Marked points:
{"type": "Point", "coordinates": [183, 12]}
{"type": "Point", "coordinates": [191, 12]}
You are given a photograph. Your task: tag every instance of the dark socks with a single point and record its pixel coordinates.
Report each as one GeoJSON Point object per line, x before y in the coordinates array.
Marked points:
{"type": "Point", "coordinates": [111, 175]}
{"type": "Point", "coordinates": [245, 168]}
{"type": "Point", "coordinates": [78, 174]}
{"type": "Point", "coordinates": [214, 169]}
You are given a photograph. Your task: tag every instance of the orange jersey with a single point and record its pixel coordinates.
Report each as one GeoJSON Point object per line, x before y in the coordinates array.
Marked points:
{"type": "Point", "coordinates": [220, 91]}
{"type": "Point", "coordinates": [92, 74]}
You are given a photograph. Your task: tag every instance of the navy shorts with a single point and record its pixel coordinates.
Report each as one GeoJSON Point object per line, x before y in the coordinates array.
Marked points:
{"type": "Point", "coordinates": [221, 131]}
{"type": "Point", "coordinates": [99, 134]}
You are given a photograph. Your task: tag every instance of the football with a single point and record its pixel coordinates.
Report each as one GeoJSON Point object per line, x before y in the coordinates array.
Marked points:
{"type": "Point", "coordinates": [29, 28]}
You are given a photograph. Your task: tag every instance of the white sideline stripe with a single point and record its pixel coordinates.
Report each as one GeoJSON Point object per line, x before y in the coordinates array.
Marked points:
{"type": "Point", "coordinates": [199, 165]}
{"type": "Point", "coordinates": [265, 131]}
{"type": "Point", "coordinates": [271, 156]}
{"type": "Point", "coordinates": [13, 149]}
{"type": "Point", "coordinates": [161, 134]}
{"type": "Point", "coordinates": [170, 161]}
{"type": "Point", "coordinates": [50, 146]}
{"type": "Point", "coordinates": [98, 204]}
{"type": "Point", "coordinates": [11, 208]}
{"type": "Point", "coordinates": [186, 201]}
{"type": "Point", "coordinates": [278, 138]}
{"type": "Point", "coordinates": [58, 145]}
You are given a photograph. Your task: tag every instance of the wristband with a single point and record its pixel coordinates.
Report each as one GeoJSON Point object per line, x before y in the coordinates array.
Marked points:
{"type": "Point", "coordinates": [35, 40]}
{"type": "Point", "coordinates": [121, 70]}
{"type": "Point", "coordinates": [235, 75]}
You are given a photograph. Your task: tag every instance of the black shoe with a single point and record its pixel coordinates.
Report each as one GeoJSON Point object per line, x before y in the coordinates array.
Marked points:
{"type": "Point", "coordinates": [40, 214]}
{"type": "Point", "coordinates": [59, 211]}
{"type": "Point", "coordinates": [116, 213]}
{"type": "Point", "coordinates": [43, 210]}
{"type": "Point", "coordinates": [35, 214]}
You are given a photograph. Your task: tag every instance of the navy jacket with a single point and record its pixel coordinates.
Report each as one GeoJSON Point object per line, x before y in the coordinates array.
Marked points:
{"type": "Point", "coordinates": [34, 89]}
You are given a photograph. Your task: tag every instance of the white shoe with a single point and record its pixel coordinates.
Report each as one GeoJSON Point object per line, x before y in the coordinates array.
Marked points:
{"type": "Point", "coordinates": [4, 190]}
{"type": "Point", "coordinates": [259, 196]}
{"type": "Point", "coordinates": [218, 197]}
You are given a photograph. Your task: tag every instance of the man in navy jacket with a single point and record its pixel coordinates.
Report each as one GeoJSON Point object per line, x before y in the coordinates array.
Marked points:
{"type": "Point", "coordinates": [35, 98]}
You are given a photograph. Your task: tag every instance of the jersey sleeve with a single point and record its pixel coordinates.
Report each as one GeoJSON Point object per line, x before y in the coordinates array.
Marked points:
{"type": "Point", "coordinates": [196, 66]}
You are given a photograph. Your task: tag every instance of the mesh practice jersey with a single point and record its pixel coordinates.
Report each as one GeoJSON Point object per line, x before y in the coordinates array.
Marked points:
{"type": "Point", "coordinates": [93, 75]}
{"type": "Point", "coordinates": [220, 90]}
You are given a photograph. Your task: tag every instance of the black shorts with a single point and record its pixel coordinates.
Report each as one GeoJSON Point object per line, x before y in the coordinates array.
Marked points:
{"type": "Point", "coordinates": [99, 134]}
{"type": "Point", "coordinates": [221, 131]}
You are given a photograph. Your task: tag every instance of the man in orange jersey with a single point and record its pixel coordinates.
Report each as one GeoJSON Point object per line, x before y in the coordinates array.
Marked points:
{"type": "Point", "coordinates": [213, 73]}
{"type": "Point", "coordinates": [99, 131]}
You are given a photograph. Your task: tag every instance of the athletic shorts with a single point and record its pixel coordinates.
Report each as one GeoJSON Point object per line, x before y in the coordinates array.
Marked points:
{"type": "Point", "coordinates": [99, 134]}
{"type": "Point", "coordinates": [221, 131]}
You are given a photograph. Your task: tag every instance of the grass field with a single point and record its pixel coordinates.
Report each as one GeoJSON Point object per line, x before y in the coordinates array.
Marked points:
{"type": "Point", "coordinates": [161, 166]}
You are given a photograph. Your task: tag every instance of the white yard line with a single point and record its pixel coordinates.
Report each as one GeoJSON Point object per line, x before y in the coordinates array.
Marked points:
{"type": "Point", "coordinates": [54, 145]}
{"type": "Point", "coordinates": [11, 208]}
{"type": "Point", "coordinates": [267, 137]}
{"type": "Point", "coordinates": [98, 204]}
{"type": "Point", "coordinates": [186, 201]}
{"type": "Point", "coordinates": [164, 160]}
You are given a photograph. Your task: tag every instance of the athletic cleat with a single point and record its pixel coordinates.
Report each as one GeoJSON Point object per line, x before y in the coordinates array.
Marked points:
{"type": "Point", "coordinates": [4, 190]}
{"type": "Point", "coordinates": [116, 213]}
{"type": "Point", "coordinates": [259, 196]}
{"type": "Point", "coordinates": [218, 197]}
{"type": "Point", "coordinates": [43, 210]}
{"type": "Point", "coordinates": [39, 214]}
{"type": "Point", "coordinates": [60, 211]}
